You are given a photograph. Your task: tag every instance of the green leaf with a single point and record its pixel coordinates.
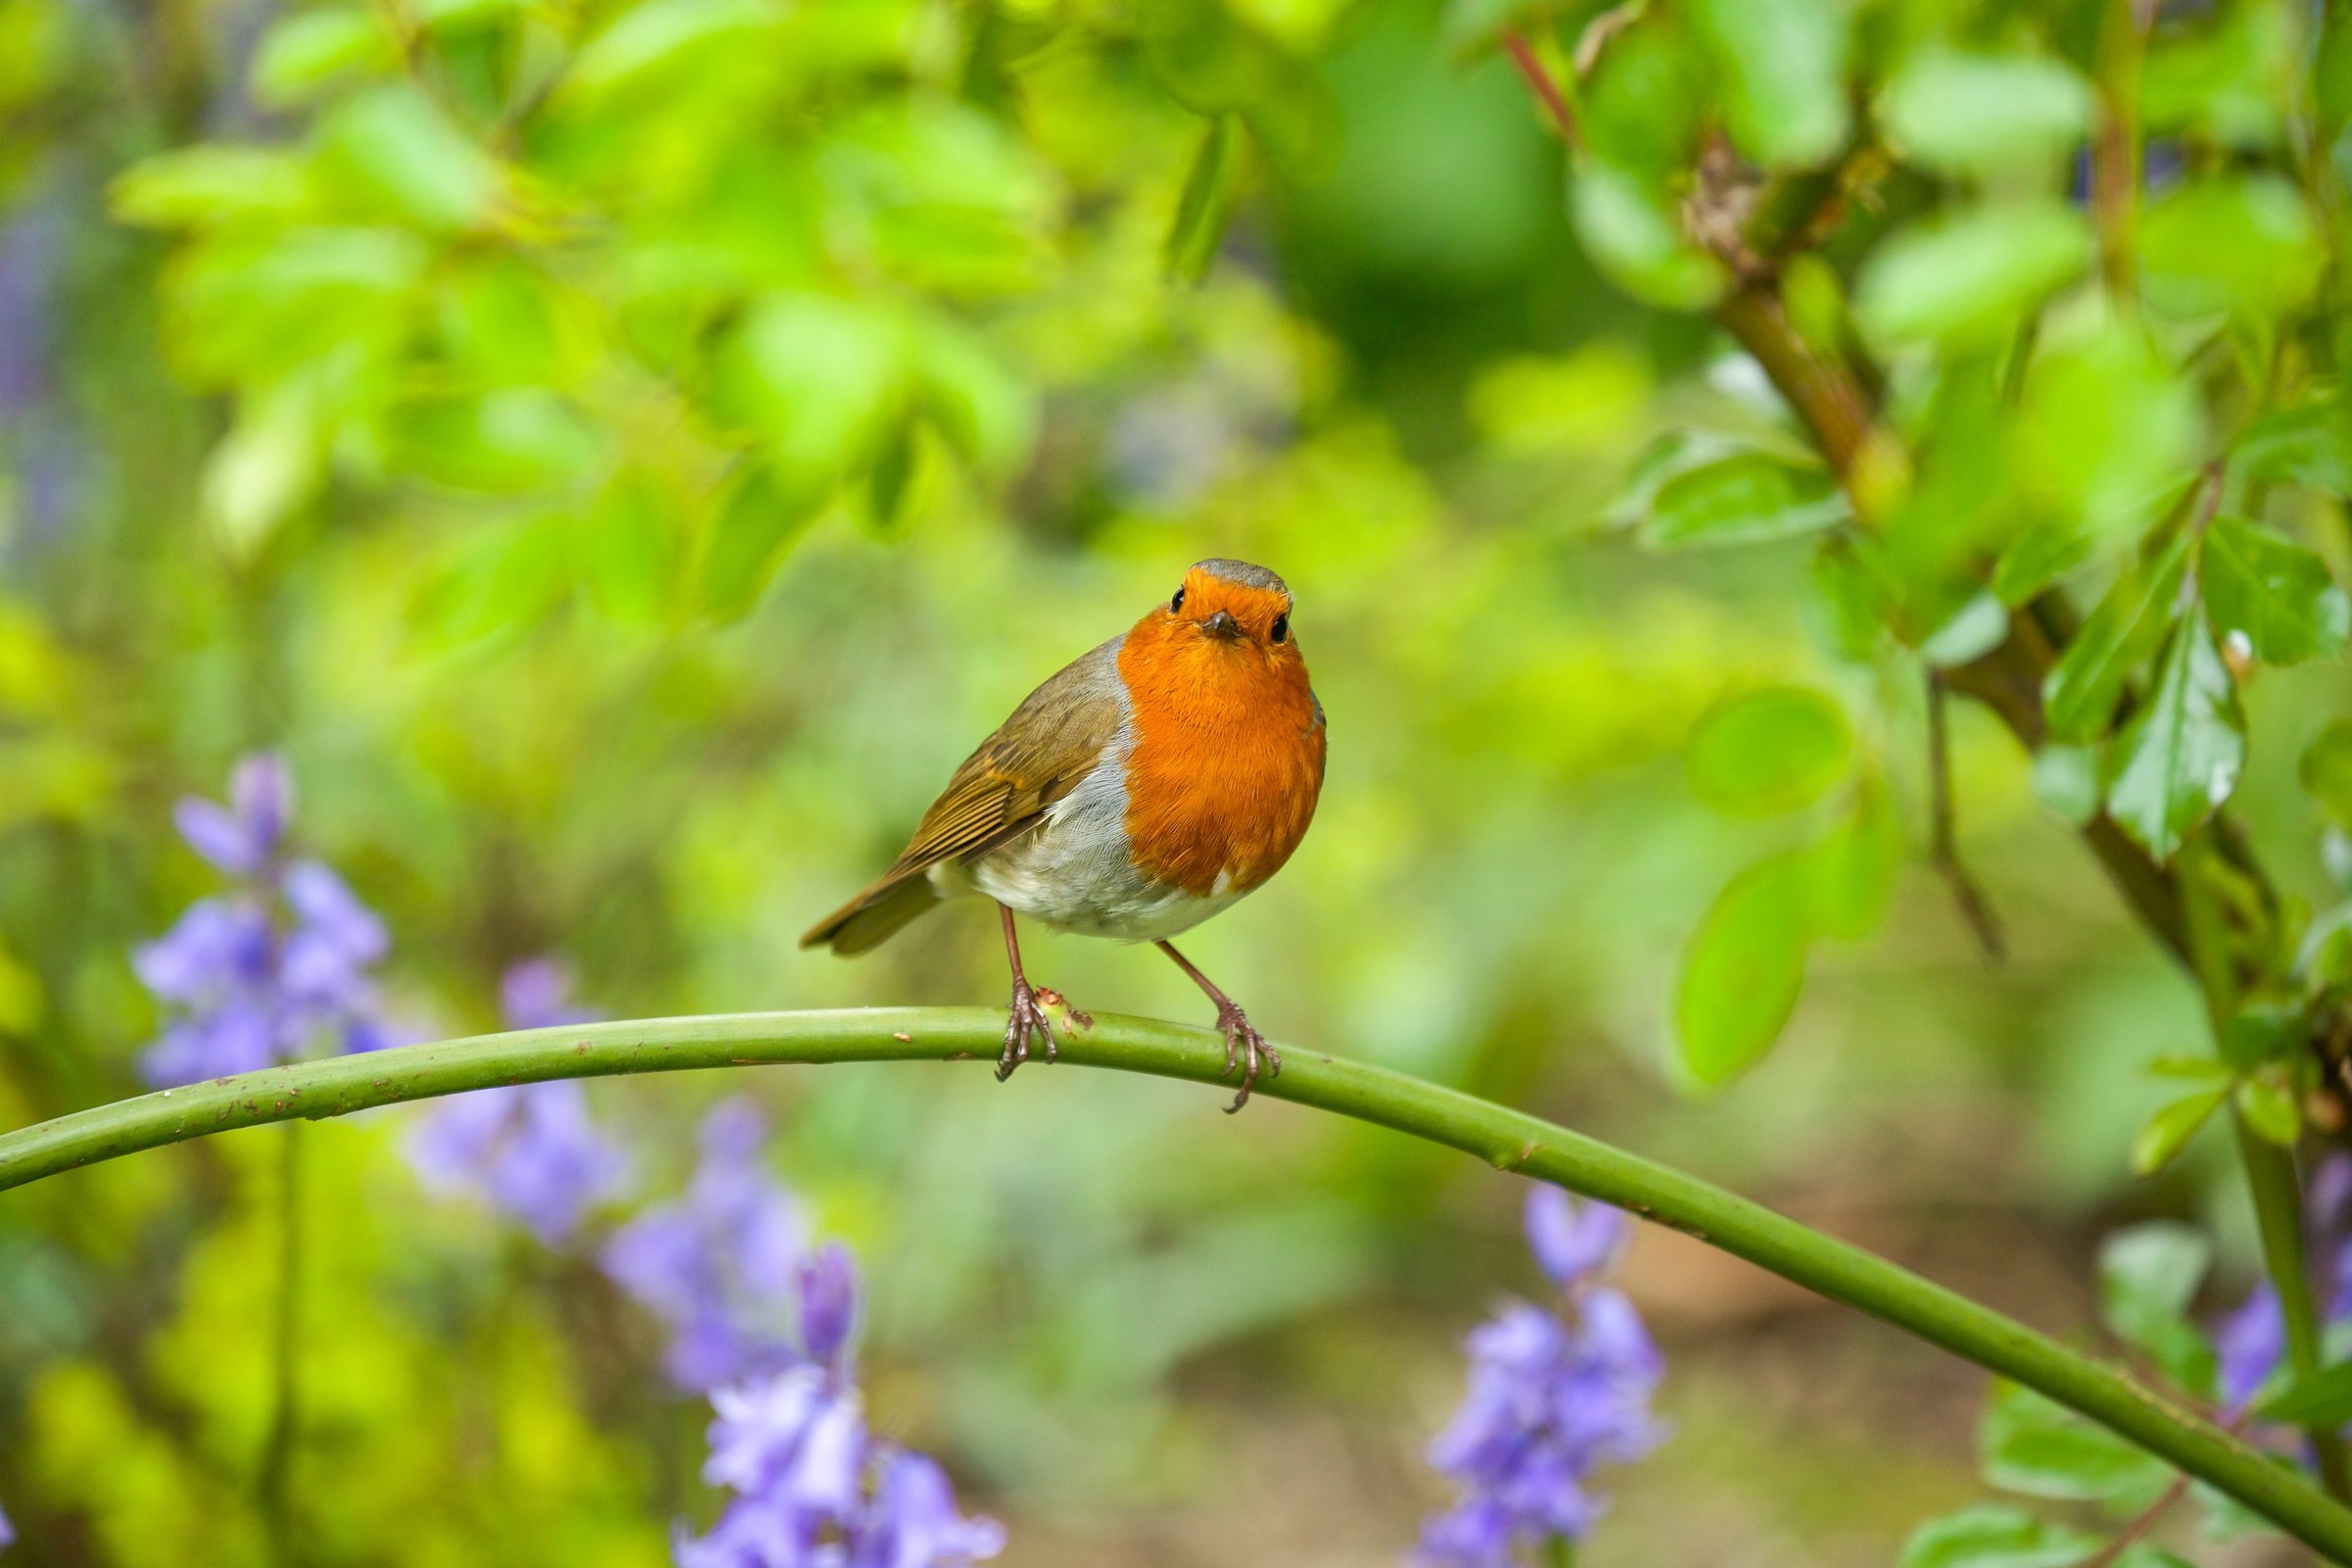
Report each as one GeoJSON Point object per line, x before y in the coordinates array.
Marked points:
{"type": "Point", "coordinates": [820, 377]}
{"type": "Point", "coordinates": [1743, 499]}
{"type": "Point", "coordinates": [203, 186]}
{"type": "Point", "coordinates": [2245, 243]}
{"type": "Point", "coordinates": [1855, 867]}
{"type": "Point", "coordinates": [2148, 1276]}
{"type": "Point", "coordinates": [500, 581]}
{"type": "Point", "coordinates": [304, 55]}
{"type": "Point", "coordinates": [2032, 1445]}
{"type": "Point", "coordinates": [661, 42]}
{"type": "Point", "coordinates": [2310, 445]}
{"type": "Point", "coordinates": [2066, 779]}
{"type": "Point", "coordinates": [1206, 204]}
{"type": "Point", "coordinates": [1967, 279]}
{"type": "Point", "coordinates": [2169, 1131]}
{"type": "Point", "coordinates": [396, 146]}
{"type": "Point", "coordinates": [2103, 434]}
{"type": "Point", "coordinates": [2271, 598]}
{"type": "Point", "coordinates": [2180, 755]}
{"type": "Point", "coordinates": [1849, 604]}
{"type": "Point", "coordinates": [982, 408]}
{"type": "Point", "coordinates": [505, 441]}
{"type": "Point", "coordinates": [2322, 1400]}
{"type": "Point", "coordinates": [1783, 67]}
{"type": "Point", "coordinates": [1972, 114]}
{"type": "Point", "coordinates": [1770, 751]}
{"type": "Point", "coordinates": [2266, 1099]}
{"type": "Point", "coordinates": [632, 552]}
{"type": "Point", "coordinates": [1994, 1538]}
{"type": "Point", "coordinates": [1744, 969]}
{"type": "Point", "coordinates": [1634, 235]}
{"type": "Point", "coordinates": [2080, 694]}
{"type": "Point", "coordinates": [754, 527]}
{"type": "Point", "coordinates": [2326, 770]}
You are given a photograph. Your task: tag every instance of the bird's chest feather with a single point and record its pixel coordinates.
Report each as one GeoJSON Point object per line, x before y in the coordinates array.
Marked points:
{"type": "Point", "coordinates": [1226, 765]}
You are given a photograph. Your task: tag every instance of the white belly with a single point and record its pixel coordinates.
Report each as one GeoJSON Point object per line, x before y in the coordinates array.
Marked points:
{"type": "Point", "coordinates": [1072, 870]}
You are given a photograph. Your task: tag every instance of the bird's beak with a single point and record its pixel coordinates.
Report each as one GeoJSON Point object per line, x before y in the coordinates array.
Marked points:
{"type": "Point", "coordinates": [1222, 625]}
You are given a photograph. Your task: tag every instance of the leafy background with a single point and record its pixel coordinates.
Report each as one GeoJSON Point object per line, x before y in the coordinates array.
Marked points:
{"type": "Point", "coordinates": [625, 454]}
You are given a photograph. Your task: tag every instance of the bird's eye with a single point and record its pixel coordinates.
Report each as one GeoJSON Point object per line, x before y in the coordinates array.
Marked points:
{"type": "Point", "coordinates": [1282, 626]}
{"type": "Point", "coordinates": [1176, 603]}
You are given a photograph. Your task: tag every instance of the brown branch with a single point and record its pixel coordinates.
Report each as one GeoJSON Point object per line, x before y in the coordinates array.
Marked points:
{"type": "Point", "coordinates": [1547, 91]}
{"type": "Point", "coordinates": [1942, 846]}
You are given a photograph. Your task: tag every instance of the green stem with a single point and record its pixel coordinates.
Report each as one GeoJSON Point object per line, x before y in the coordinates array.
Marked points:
{"type": "Point", "coordinates": [273, 1487]}
{"type": "Point", "coordinates": [1507, 1138]}
{"type": "Point", "coordinates": [2270, 1179]}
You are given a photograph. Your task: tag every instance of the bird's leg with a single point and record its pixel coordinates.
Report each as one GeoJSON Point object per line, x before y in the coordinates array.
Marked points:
{"type": "Point", "coordinates": [1244, 1047]}
{"type": "Point", "coordinates": [1027, 1019]}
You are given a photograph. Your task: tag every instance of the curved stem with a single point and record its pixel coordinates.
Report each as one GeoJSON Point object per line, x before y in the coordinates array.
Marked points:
{"type": "Point", "coordinates": [1507, 1138]}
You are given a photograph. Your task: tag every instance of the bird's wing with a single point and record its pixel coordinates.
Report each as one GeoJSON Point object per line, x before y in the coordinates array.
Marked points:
{"type": "Point", "coordinates": [1003, 790]}
{"type": "Point", "coordinates": [1038, 755]}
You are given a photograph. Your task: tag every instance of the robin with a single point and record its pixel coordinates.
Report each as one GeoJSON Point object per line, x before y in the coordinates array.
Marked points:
{"type": "Point", "coordinates": [1143, 789]}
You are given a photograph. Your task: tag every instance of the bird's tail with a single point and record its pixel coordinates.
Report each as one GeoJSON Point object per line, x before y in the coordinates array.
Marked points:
{"type": "Point", "coordinates": [872, 918]}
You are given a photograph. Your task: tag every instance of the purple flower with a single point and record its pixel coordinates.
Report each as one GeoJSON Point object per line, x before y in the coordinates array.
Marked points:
{"type": "Point", "coordinates": [1572, 1240]}
{"type": "Point", "coordinates": [8, 1533]}
{"type": "Point", "coordinates": [531, 1150]}
{"type": "Point", "coordinates": [826, 1291]}
{"type": "Point", "coordinates": [2249, 1343]}
{"type": "Point", "coordinates": [270, 970]}
{"type": "Point", "coordinates": [812, 1490]}
{"type": "Point", "coordinates": [536, 994]}
{"type": "Point", "coordinates": [1553, 1395]}
{"type": "Point", "coordinates": [914, 1521]}
{"type": "Point", "coordinates": [720, 1266]}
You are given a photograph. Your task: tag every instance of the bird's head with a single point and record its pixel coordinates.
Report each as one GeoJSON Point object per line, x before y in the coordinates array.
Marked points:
{"type": "Point", "coordinates": [1233, 603]}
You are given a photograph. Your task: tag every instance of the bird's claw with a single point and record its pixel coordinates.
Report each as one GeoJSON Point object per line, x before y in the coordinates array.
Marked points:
{"type": "Point", "coordinates": [1247, 1049]}
{"type": "Point", "coordinates": [1027, 1020]}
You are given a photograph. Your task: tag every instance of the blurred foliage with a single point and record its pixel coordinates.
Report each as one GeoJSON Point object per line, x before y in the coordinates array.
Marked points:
{"type": "Point", "coordinates": [626, 453]}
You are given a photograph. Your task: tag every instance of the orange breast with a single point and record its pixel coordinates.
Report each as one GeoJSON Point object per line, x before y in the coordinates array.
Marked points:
{"type": "Point", "coordinates": [1228, 757]}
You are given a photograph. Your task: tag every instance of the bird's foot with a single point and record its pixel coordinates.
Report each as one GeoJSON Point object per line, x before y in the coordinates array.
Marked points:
{"type": "Point", "coordinates": [1246, 1049]}
{"type": "Point", "coordinates": [1027, 1021]}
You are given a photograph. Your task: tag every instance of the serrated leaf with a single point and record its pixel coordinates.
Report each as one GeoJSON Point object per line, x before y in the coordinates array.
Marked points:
{"type": "Point", "coordinates": [2180, 757]}
{"type": "Point", "coordinates": [1968, 278]}
{"type": "Point", "coordinates": [2271, 598]}
{"type": "Point", "coordinates": [1768, 750]}
{"type": "Point", "coordinates": [2080, 694]}
{"type": "Point", "coordinates": [2169, 1131]}
{"type": "Point", "coordinates": [1994, 1538]}
{"type": "Point", "coordinates": [1747, 498]}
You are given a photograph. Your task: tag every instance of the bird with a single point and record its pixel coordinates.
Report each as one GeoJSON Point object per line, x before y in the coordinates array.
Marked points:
{"type": "Point", "coordinates": [1149, 784]}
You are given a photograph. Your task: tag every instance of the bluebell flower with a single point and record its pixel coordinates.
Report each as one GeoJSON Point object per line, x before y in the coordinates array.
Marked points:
{"type": "Point", "coordinates": [720, 1265]}
{"type": "Point", "coordinates": [812, 1489]}
{"type": "Point", "coordinates": [1554, 1395]}
{"type": "Point", "coordinates": [531, 1150]}
{"type": "Point", "coordinates": [273, 969]}
{"type": "Point", "coordinates": [2250, 1342]}
{"type": "Point", "coordinates": [8, 1533]}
